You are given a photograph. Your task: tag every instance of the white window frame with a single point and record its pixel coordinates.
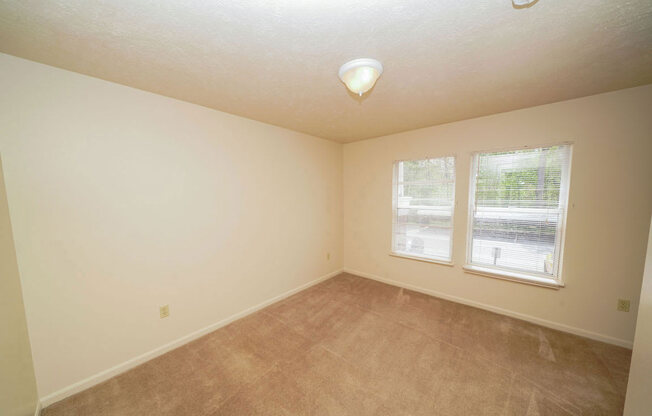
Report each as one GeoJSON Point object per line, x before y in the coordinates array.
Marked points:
{"type": "Point", "coordinates": [538, 279]}
{"type": "Point", "coordinates": [426, 259]}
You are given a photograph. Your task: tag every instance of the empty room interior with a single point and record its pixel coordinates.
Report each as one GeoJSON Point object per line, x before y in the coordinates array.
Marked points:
{"type": "Point", "coordinates": [312, 207]}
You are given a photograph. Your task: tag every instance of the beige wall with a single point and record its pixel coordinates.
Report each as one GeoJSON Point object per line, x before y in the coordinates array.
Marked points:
{"type": "Point", "coordinates": [639, 386]}
{"type": "Point", "coordinates": [122, 201]}
{"type": "Point", "coordinates": [608, 219]}
{"type": "Point", "coordinates": [18, 395]}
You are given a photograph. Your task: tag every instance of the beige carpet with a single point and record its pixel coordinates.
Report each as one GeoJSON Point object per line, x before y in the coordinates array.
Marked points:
{"type": "Point", "coordinates": [353, 346]}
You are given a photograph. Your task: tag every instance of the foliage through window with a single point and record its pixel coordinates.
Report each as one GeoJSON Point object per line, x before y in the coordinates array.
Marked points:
{"type": "Point", "coordinates": [424, 194]}
{"type": "Point", "coordinates": [518, 208]}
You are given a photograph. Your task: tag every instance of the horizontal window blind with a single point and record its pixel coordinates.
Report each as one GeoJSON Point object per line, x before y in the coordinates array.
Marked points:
{"type": "Point", "coordinates": [424, 194]}
{"type": "Point", "coordinates": [518, 208]}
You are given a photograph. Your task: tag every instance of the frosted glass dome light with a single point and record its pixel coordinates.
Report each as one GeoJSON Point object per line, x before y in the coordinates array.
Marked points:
{"type": "Point", "coordinates": [523, 3]}
{"type": "Point", "coordinates": [360, 75]}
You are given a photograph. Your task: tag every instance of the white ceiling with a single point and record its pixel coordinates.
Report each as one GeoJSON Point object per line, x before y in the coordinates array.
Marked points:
{"type": "Point", "coordinates": [277, 60]}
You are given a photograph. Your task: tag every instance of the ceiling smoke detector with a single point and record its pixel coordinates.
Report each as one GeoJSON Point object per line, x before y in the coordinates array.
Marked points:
{"type": "Point", "coordinates": [360, 75]}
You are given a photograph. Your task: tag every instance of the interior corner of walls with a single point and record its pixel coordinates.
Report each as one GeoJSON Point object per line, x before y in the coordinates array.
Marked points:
{"type": "Point", "coordinates": [18, 378]}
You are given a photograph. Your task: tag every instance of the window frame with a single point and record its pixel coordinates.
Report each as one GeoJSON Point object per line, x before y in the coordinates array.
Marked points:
{"type": "Point", "coordinates": [555, 280]}
{"type": "Point", "coordinates": [393, 253]}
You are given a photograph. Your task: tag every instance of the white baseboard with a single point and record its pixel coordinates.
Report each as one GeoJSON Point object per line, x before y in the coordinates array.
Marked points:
{"type": "Point", "coordinates": [129, 364]}
{"type": "Point", "coordinates": [37, 410]}
{"type": "Point", "coordinates": [543, 322]}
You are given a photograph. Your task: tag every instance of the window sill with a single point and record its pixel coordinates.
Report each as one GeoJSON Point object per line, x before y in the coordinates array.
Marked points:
{"type": "Point", "coordinates": [514, 276]}
{"type": "Point", "coordinates": [424, 259]}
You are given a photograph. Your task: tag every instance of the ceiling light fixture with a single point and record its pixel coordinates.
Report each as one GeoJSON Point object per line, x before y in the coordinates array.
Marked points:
{"type": "Point", "coordinates": [360, 75]}
{"type": "Point", "coordinates": [523, 3]}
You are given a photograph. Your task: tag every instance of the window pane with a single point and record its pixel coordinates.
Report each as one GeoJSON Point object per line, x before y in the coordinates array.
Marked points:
{"type": "Point", "coordinates": [520, 200]}
{"type": "Point", "coordinates": [423, 208]}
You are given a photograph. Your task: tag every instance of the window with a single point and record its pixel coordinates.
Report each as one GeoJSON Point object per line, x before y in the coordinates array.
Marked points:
{"type": "Point", "coordinates": [518, 207]}
{"type": "Point", "coordinates": [424, 195]}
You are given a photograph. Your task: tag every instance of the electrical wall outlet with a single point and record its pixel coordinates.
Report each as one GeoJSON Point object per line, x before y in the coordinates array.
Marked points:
{"type": "Point", "coordinates": [164, 311]}
{"type": "Point", "coordinates": [623, 305]}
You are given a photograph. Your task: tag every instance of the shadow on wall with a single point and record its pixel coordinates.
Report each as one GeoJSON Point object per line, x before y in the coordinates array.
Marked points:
{"type": "Point", "coordinates": [18, 395]}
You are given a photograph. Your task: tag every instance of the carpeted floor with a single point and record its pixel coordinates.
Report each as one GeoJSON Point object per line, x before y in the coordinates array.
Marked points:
{"type": "Point", "coordinates": [353, 346]}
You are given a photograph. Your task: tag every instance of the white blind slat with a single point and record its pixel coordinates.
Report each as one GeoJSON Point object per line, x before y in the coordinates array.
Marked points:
{"type": "Point", "coordinates": [519, 201]}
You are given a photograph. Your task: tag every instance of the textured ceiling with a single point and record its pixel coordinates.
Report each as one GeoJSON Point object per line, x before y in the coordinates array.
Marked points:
{"type": "Point", "coordinates": [277, 60]}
